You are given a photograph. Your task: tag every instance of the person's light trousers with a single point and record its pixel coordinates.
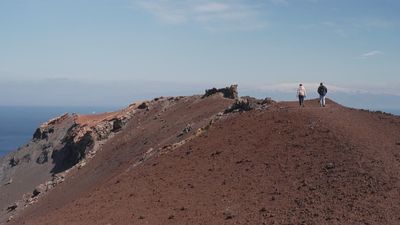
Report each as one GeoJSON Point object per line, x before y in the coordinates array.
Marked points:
{"type": "Point", "coordinates": [322, 100]}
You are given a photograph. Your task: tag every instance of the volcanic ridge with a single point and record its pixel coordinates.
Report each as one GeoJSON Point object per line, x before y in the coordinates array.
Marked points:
{"type": "Point", "coordinates": [207, 159]}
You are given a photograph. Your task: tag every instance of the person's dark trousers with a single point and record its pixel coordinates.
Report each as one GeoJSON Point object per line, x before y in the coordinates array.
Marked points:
{"type": "Point", "coordinates": [301, 100]}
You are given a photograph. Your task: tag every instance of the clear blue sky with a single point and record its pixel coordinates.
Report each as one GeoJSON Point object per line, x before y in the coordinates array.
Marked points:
{"type": "Point", "coordinates": [72, 51]}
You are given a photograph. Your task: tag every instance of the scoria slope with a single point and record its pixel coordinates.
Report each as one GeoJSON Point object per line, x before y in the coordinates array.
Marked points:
{"type": "Point", "coordinates": [57, 147]}
{"type": "Point", "coordinates": [277, 164]}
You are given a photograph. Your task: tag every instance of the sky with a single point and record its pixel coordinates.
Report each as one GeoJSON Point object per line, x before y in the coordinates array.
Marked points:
{"type": "Point", "coordinates": [112, 52]}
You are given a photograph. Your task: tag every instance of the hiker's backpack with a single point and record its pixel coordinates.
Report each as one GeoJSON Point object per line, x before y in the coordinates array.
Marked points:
{"type": "Point", "coordinates": [322, 90]}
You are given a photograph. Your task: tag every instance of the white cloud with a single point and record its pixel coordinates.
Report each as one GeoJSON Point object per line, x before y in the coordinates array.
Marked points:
{"type": "Point", "coordinates": [388, 89]}
{"type": "Point", "coordinates": [168, 13]}
{"type": "Point", "coordinates": [212, 7]}
{"type": "Point", "coordinates": [280, 2]}
{"type": "Point", "coordinates": [371, 54]}
{"type": "Point", "coordinates": [371, 24]}
{"type": "Point", "coordinates": [335, 28]}
{"type": "Point", "coordinates": [219, 15]}
{"type": "Point", "coordinates": [287, 2]}
{"type": "Point", "coordinates": [379, 23]}
{"type": "Point", "coordinates": [346, 27]}
{"type": "Point", "coordinates": [292, 87]}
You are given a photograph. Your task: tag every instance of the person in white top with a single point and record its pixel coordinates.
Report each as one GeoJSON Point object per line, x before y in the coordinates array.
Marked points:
{"type": "Point", "coordinates": [301, 93]}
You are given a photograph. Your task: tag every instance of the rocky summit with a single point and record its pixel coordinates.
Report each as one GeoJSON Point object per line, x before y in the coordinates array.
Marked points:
{"type": "Point", "coordinates": [215, 158]}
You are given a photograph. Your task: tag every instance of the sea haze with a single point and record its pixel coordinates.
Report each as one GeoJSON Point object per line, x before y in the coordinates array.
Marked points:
{"type": "Point", "coordinates": [18, 123]}
{"type": "Point", "coordinates": [393, 111]}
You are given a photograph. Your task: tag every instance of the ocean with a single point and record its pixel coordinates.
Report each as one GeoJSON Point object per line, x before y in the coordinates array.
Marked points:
{"type": "Point", "coordinates": [393, 111]}
{"type": "Point", "coordinates": [18, 123]}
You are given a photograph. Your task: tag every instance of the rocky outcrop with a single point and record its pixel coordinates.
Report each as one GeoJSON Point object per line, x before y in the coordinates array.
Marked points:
{"type": "Point", "coordinates": [47, 128]}
{"type": "Point", "coordinates": [249, 103]}
{"type": "Point", "coordinates": [23, 170]}
{"type": "Point", "coordinates": [69, 142]}
{"type": "Point", "coordinates": [73, 151]}
{"type": "Point", "coordinates": [144, 105]}
{"type": "Point", "coordinates": [228, 92]}
{"type": "Point", "coordinates": [57, 146]}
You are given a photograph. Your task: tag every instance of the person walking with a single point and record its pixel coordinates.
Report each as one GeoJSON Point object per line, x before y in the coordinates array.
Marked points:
{"type": "Point", "coordinates": [301, 93]}
{"type": "Point", "coordinates": [322, 91]}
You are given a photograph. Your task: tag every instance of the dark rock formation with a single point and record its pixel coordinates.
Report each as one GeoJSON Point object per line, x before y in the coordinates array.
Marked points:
{"type": "Point", "coordinates": [38, 190]}
{"type": "Point", "coordinates": [240, 105]}
{"type": "Point", "coordinates": [47, 128]}
{"type": "Point", "coordinates": [268, 101]}
{"type": "Point", "coordinates": [228, 92]}
{"type": "Point", "coordinates": [40, 134]}
{"type": "Point", "coordinates": [73, 151]}
{"type": "Point", "coordinates": [248, 103]}
{"type": "Point", "coordinates": [144, 105]}
{"type": "Point", "coordinates": [12, 207]}
{"type": "Point", "coordinates": [43, 157]}
{"type": "Point", "coordinates": [118, 123]}
{"type": "Point", "coordinates": [185, 130]}
{"type": "Point", "coordinates": [23, 170]}
{"type": "Point", "coordinates": [13, 162]}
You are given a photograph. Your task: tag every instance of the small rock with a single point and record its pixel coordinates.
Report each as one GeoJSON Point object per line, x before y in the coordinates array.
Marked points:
{"type": "Point", "coordinates": [268, 101]}
{"type": "Point", "coordinates": [14, 161]}
{"type": "Point", "coordinates": [9, 219]}
{"type": "Point", "coordinates": [49, 185]}
{"type": "Point", "coordinates": [39, 189]}
{"type": "Point", "coordinates": [144, 105]}
{"type": "Point", "coordinates": [330, 166]}
{"type": "Point", "coordinates": [185, 130]}
{"type": "Point", "coordinates": [8, 182]}
{"type": "Point", "coordinates": [117, 124]}
{"type": "Point", "coordinates": [228, 215]}
{"type": "Point", "coordinates": [12, 207]}
{"type": "Point", "coordinates": [43, 157]}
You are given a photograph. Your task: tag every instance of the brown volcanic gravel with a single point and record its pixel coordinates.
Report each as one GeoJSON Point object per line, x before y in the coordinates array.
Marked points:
{"type": "Point", "coordinates": [282, 165]}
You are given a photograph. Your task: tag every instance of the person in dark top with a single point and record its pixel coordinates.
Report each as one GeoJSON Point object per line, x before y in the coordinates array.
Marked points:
{"type": "Point", "coordinates": [322, 91]}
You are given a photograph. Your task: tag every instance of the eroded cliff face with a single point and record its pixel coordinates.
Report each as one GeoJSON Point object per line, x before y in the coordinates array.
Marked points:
{"type": "Point", "coordinates": [69, 142]}
{"type": "Point", "coordinates": [57, 146]}
{"type": "Point", "coordinates": [21, 171]}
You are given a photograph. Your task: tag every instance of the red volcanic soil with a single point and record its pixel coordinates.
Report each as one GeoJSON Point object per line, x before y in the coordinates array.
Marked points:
{"type": "Point", "coordinates": [279, 165]}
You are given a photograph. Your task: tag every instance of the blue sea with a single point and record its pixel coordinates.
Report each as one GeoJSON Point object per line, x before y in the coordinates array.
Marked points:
{"type": "Point", "coordinates": [18, 123]}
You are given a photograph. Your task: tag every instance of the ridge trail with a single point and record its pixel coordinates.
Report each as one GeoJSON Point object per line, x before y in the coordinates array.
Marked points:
{"type": "Point", "coordinates": [280, 165]}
